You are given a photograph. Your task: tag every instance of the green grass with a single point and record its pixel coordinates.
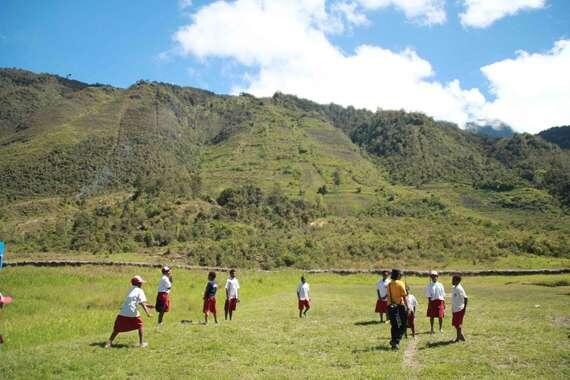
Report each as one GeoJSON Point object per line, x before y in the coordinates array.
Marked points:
{"type": "Point", "coordinates": [60, 318]}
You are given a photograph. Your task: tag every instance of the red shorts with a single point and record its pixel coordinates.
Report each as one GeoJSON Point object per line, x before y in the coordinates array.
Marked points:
{"type": "Point", "coordinates": [304, 304]}
{"type": "Point", "coordinates": [124, 324]}
{"type": "Point", "coordinates": [457, 320]}
{"type": "Point", "coordinates": [231, 304]}
{"type": "Point", "coordinates": [162, 302]}
{"type": "Point", "coordinates": [411, 320]}
{"type": "Point", "coordinates": [209, 305]}
{"type": "Point", "coordinates": [381, 306]}
{"type": "Point", "coordinates": [436, 309]}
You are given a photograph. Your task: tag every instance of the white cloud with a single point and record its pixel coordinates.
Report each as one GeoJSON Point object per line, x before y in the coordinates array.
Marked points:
{"type": "Point", "coordinates": [425, 11]}
{"type": "Point", "coordinates": [286, 45]}
{"type": "Point", "coordinates": [532, 90]}
{"type": "Point", "coordinates": [483, 13]}
{"type": "Point", "coordinates": [351, 12]}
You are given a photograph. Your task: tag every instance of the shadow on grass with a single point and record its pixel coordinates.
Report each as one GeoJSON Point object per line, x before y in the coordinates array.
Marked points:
{"type": "Point", "coordinates": [115, 345]}
{"type": "Point", "coordinates": [368, 323]}
{"type": "Point", "coordinates": [437, 344]}
{"type": "Point", "coordinates": [194, 323]}
{"type": "Point", "coordinates": [372, 349]}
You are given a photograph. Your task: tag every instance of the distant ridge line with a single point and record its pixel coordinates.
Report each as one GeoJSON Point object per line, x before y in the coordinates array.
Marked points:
{"type": "Point", "coordinates": [487, 272]}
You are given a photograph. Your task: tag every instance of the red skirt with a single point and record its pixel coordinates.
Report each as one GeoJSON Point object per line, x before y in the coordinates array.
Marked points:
{"type": "Point", "coordinates": [411, 320]}
{"type": "Point", "coordinates": [209, 305]}
{"type": "Point", "coordinates": [457, 320]}
{"type": "Point", "coordinates": [231, 304]}
{"type": "Point", "coordinates": [304, 304]}
{"type": "Point", "coordinates": [381, 306]}
{"type": "Point", "coordinates": [162, 302]}
{"type": "Point", "coordinates": [124, 324]}
{"type": "Point", "coordinates": [436, 309]}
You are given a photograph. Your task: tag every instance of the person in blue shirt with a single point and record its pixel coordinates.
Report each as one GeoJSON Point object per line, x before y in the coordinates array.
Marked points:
{"type": "Point", "coordinates": [210, 297]}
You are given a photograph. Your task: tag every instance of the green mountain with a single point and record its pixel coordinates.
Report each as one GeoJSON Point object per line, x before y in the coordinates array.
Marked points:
{"type": "Point", "coordinates": [557, 135]}
{"type": "Point", "coordinates": [239, 180]}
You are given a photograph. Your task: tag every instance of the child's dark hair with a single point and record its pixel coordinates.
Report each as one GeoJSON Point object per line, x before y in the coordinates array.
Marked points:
{"type": "Point", "coordinates": [456, 277]}
{"type": "Point", "coordinates": [396, 274]}
{"type": "Point", "coordinates": [212, 275]}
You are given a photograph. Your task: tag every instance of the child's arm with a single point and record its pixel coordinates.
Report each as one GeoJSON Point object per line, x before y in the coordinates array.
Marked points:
{"type": "Point", "coordinates": [378, 292]}
{"type": "Point", "coordinates": [146, 307]}
{"type": "Point", "coordinates": [465, 307]}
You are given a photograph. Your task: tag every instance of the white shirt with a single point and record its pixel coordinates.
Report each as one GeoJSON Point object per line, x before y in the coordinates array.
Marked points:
{"type": "Point", "coordinates": [382, 287]}
{"type": "Point", "coordinates": [135, 297]}
{"type": "Point", "coordinates": [411, 301]}
{"type": "Point", "coordinates": [435, 291]}
{"type": "Point", "coordinates": [303, 291]}
{"type": "Point", "coordinates": [164, 285]}
{"type": "Point", "coordinates": [458, 296]}
{"type": "Point", "coordinates": [232, 286]}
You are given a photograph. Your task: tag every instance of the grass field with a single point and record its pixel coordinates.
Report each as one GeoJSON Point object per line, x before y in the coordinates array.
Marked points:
{"type": "Point", "coordinates": [516, 327]}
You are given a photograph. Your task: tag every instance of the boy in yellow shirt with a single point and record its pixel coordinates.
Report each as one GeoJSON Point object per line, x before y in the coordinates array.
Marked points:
{"type": "Point", "coordinates": [397, 309]}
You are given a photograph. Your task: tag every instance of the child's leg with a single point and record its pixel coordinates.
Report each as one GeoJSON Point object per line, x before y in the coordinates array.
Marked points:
{"type": "Point", "coordinates": [206, 317]}
{"type": "Point", "coordinates": [440, 324]}
{"type": "Point", "coordinates": [431, 324]}
{"type": "Point", "coordinates": [381, 317]}
{"type": "Point", "coordinates": [460, 333]}
{"type": "Point", "coordinates": [227, 310]}
{"type": "Point", "coordinates": [231, 313]}
{"type": "Point", "coordinates": [111, 339]}
{"type": "Point", "coordinates": [307, 307]}
{"type": "Point", "coordinates": [215, 317]}
{"type": "Point", "coordinates": [160, 316]}
{"type": "Point", "coordinates": [141, 335]}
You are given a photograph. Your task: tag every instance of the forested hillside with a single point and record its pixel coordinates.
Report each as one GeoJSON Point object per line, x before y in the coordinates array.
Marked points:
{"type": "Point", "coordinates": [282, 181]}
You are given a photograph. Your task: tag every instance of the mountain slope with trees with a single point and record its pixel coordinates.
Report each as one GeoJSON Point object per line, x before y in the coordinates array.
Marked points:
{"type": "Point", "coordinates": [281, 181]}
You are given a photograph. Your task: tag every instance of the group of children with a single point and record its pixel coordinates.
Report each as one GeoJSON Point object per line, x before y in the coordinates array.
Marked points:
{"type": "Point", "coordinates": [396, 301]}
{"type": "Point", "coordinates": [129, 318]}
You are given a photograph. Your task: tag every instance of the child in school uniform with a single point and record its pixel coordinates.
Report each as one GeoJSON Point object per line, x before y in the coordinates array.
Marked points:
{"type": "Point", "coordinates": [129, 318]}
{"type": "Point", "coordinates": [163, 297]}
{"type": "Point", "coordinates": [210, 297]}
{"type": "Point", "coordinates": [232, 298]}
{"type": "Point", "coordinates": [4, 300]}
{"type": "Point", "coordinates": [304, 300]}
{"type": "Point", "coordinates": [412, 303]}
{"type": "Point", "coordinates": [382, 293]}
{"type": "Point", "coordinates": [459, 306]}
{"type": "Point", "coordinates": [435, 294]}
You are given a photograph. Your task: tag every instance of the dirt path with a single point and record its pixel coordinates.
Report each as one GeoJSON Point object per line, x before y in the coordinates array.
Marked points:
{"type": "Point", "coordinates": [410, 364]}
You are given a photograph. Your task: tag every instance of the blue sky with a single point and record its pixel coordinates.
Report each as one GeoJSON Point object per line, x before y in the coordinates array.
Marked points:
{"type": "Point", "coordinates": [368, 53]}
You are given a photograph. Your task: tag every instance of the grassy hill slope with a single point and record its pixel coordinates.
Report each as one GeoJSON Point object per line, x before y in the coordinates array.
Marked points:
{"type": "Point", "coordinates": [282, 181]}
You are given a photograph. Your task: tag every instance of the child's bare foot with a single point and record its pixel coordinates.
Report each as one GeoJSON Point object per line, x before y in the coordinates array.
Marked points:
{"type": "Point", "coordinates": [108, 345]}
{"type": "Point", "coordinates": [143, 345]}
